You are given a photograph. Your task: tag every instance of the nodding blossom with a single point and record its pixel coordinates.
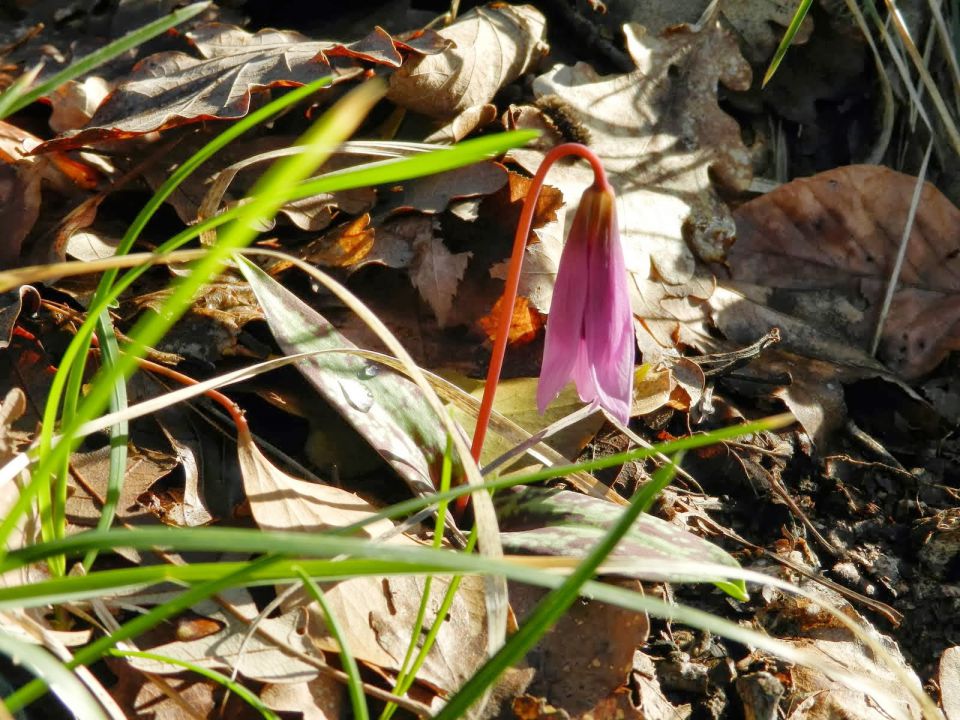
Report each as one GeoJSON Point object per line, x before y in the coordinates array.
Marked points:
{"type": "Point", "coordinates": [590, 326]}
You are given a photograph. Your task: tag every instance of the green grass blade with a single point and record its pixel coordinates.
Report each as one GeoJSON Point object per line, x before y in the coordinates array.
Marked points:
{"type": "Point", "coordinates": [395, 170]}
{"type": "Point", "coordinates": [798, 17]}
{"type": "Point", "coordinates": [61, 680]}
{"type": "Point", "coordinates": [407, 674]}
{"type": "Point", "coordinates": [18, 88]}
{"type": "Point", "coordinates": [548, 610]}
{"type": "Point", "coordinates": [35, 689]}
{"type": "Point", "coordinates": [105, 54]}
{"type": "Point", "coordinates": [76, 352]}
{"type": "Point", "coordinates": [355, 687]}
{"type": "Point", "coordinates": [232, 685]}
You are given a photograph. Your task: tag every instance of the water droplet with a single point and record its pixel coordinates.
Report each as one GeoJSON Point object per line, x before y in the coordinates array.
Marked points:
{"type": "Point", "coordinates": [357, 395]}
{"type": "Point", "coordinates": [369, 370]}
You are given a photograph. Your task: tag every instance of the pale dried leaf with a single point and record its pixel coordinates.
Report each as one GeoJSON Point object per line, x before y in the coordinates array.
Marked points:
{"type": "Point", "coordinates": [949, 680]}
{"type": "Point", "coordinates": [377, 615]}
{"type": "Point", "coordinates": [280, 502]}
{"type": "Point", "coordinates": [255, 658]}
{"type": "Point", "coordinates": [494, 45]}
{"type": "Point", "coordinates": [318, 699]}
{"type": "Point", "coordinates": [436, 273]}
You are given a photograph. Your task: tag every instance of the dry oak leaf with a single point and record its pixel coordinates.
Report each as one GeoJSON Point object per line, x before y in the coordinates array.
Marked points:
{"type": "Point", "coordinates": [494, 45]}
{"type": "Point", "coordinates": [661, 136]}
{"type": "Point", "coordinates": [172, 88]}
{"type": "Point", "coordinates": [759, 24]}
{"type": "Point", "coordinates": [376, 614]}
{"type": "Point", "coordinates": [436, 274]}
{"type": "Point", "coordinates": [819, 251]}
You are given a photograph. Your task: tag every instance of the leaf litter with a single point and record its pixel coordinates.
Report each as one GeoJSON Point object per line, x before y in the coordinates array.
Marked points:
{"type": "Point", "coordinates": [860, 496]}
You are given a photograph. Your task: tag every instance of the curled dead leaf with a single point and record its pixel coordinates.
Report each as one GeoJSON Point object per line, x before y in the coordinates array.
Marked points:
{"type": "Point", "coordinates": [494, 45]}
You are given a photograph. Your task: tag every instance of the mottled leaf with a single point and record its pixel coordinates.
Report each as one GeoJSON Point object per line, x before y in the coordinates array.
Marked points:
{"type": "Point", "coordinates": [385, 408]}
{"type": "Point", "coordinates": [559, 522]}
{"type": "Point", "coordinates": [172, 88]}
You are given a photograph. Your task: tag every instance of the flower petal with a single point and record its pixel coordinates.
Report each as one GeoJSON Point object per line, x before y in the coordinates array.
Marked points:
{"type": "Point", "coordinates": [562, 345]}
{"type": "Point", "coordinates": [608, 322]}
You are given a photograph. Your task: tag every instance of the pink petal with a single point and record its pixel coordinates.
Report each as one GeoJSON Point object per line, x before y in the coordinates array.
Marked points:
{"type": "Point", "coordinates": [563, 342]}
{"type": "Point", "coordinates": [608, 323]}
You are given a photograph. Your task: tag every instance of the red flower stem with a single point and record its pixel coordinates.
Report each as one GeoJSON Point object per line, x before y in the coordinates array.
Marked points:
{"type": "Point", "coordinates": [509, 299]}
{"type": "Point", "coordinates": [236, 414]}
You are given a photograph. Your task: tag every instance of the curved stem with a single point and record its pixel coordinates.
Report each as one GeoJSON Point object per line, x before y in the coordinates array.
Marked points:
{"type": "Point", "coordinates": [509, 298]}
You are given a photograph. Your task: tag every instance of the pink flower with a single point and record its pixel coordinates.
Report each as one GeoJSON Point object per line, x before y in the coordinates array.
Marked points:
{"type": "Point", "coordinates": [590, 327]}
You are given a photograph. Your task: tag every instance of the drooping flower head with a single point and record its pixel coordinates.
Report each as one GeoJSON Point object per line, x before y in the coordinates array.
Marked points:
{"type": "Point", "coordinates": [590, 327]}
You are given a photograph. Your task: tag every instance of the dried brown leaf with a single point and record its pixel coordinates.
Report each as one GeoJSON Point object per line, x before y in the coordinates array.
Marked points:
{"type": "Point", "coordinates": [817, 254]}
{"type": "Point", "coordinates": [436, 273]}
{"type": "Point", "coordinates": [494, 45]}
{"type": "Point", "coordinates": [19, 208]}
{"type": "Point", "coordinates": [949, 680]}
{"type": "Point", "coordinates": [212, 327]}
{"type": "Point", "coordinates": [587, 655]}
{"type": "Point", "coordinates": [172, 88]}
{"type": "Point", "coordinates": [318, 699]}
{"type": "Point", "coordinates": [281, 502]}
{"type": "Point", "coordinates": [376, 614]}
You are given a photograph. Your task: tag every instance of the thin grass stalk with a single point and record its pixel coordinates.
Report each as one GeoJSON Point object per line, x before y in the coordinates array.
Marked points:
{"type": "Point", "coordinates": [232, 686]}
{"type": "Point", "coordinates": [355, 687]}
{"type": "Point", "coordinates": [36, 688]}
{"type": "Point", "coordinates": [550, 608]}
{"type": "Point", "coordinates": [935, 95]}
{"type": "Point", "coordinates": [401, 685]}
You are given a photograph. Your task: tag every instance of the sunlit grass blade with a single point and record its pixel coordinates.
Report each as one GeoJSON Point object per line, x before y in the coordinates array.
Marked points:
{"type": "Point", "coordinates": [233, 686]}
{"type": "Point", "coordinates": [332, 128]}
{"type": "Point", "coordinates": [61, 680]}
{"type": "Point", "coordinates": [105, 54]}
{"type": "Point", "coordinates": [35, 689]}
{"type": "Point", "coordinates": [18, 89]}
{"type": "Point", "coordinates": [355, 688]}
{"type": "Point", "coordinates": [69, 377]}
{"type": "Point", "coordinates": [791, 32]}
{"type": "Point", "coordinates": [549, 609]}
{"type": "Point", "coordinates": [408, 672]}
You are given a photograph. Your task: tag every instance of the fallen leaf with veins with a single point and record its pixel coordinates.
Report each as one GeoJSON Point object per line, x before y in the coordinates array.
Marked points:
{"type": "Point", "coordinates": [172, 88]}
{"type": "Point", "coordinates": [376, 614]}
{"type": "Point", "coordinates": [493, 46]}
{"type": "Point", "coordinates": [436, 272]}
{"type": "Point", "coordinates": [818, 253]}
